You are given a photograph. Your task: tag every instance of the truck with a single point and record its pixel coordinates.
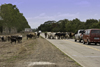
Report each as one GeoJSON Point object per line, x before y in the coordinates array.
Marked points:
{"type": "Point", "coordinates": [79, 35]}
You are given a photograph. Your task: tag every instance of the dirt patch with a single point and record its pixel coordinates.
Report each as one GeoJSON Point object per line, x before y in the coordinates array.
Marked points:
{"type": "Point", "coordinates": [33, 53]}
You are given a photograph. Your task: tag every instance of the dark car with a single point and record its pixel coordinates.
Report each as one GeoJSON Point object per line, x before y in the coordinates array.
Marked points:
{"type": "Point", "coordinates": [91, 36]}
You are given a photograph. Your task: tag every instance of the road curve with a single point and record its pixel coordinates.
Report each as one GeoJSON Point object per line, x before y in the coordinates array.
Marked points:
{"type": "Point", "coordinates": [85, 55]}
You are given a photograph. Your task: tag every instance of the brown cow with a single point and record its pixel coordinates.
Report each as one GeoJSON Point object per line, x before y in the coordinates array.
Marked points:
{"type": "Point", "coordinates": [31, 35]}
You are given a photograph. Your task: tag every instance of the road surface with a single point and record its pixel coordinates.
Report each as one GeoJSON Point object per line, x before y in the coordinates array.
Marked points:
{"type": "Point", "coordinates": [85, 55]}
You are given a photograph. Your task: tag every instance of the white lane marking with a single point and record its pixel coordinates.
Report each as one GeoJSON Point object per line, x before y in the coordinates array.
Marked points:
{"type": "Point", "coordinates": [40, 63]}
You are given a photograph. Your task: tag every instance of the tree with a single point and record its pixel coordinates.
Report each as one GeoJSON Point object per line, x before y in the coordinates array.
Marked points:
{"type": "Point", "coordinates": [90, 22]}
{"type": "Point", "coordinates": [12, 17]}
{"type": "Point", "coordinates": [69, 26]}
{"type": "Point", "coordinates": [74, 25]}
{"type": "Point", "coordinates": [63, 25]}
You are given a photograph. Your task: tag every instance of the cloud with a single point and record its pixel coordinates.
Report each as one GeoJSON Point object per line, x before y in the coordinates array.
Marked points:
{"type": "Point", "coordinates": [34, 22]}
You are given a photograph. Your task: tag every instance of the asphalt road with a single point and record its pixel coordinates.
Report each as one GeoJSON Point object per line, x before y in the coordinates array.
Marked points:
{"type": "Point", "coordinates": [85, 55]}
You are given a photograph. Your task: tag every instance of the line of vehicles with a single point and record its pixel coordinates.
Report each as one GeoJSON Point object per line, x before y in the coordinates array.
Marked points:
{"type": "Point", "coordinates": [88, 36]}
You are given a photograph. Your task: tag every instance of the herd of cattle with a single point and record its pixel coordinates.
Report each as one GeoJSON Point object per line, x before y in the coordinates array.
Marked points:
{"type": "Point", "coordinates": [59, 35]}
{"type": "Point", "coordinates": [17, 38]}
{"type": "Point", "coordinates": [11, 38]}
{"type": "Point", "coordinates": [49, 35]}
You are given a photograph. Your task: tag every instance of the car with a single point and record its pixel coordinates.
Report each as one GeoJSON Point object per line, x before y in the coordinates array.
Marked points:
{"type": "Point", "coordinates": [91, 36]}
{"type": "Point", "coordinates": [79, 35]}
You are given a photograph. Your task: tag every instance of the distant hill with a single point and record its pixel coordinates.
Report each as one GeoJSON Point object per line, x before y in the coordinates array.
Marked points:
{"type": "Point", "coordinates": [12, 18]}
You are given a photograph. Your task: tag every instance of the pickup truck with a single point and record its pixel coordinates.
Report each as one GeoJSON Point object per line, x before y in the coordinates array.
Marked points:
{"type": "Point", "coordinates": [79, 35]}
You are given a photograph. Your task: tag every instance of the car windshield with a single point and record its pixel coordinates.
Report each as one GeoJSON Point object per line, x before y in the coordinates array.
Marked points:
{"type": "Point", "coordinates": [82, 31]}
{"type": "Point", "coordinates": [95, 31]}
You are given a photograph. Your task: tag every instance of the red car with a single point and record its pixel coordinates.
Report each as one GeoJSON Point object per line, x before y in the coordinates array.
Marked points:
{"type": "Point", "coordinates": [91, 36]}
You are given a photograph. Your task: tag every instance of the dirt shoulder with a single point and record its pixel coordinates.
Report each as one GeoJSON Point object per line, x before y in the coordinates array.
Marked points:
{"type": "Point", "coordinates": [33, 53]}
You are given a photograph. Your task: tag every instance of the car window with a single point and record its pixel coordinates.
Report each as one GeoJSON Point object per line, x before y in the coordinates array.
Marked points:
{"type": "Point", "coordinates": [81, 32]}
{"type": "Point", "coordinates": [95, 31]}
{"type": "Point", "coordinates": [88, 32]}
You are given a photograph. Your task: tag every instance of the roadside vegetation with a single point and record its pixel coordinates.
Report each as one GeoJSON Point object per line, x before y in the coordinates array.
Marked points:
{"type": "Point", "coordinates": [33, 50]}
{"type": "Point", "coordinates": [69, 25]}
{"type": "Point", "coordinates": [10, 17]}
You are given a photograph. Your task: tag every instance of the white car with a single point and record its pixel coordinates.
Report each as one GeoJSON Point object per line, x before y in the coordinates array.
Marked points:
{"type": "Point", "coordinates": [79, 35]}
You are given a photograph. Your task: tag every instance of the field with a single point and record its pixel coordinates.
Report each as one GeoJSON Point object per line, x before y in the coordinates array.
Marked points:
{"type": "Point", "coordinates": [33, 53]}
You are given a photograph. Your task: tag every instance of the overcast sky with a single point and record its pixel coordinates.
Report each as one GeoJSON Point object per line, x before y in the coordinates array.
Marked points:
{"type": "Point", "coordinates": [38, 11]}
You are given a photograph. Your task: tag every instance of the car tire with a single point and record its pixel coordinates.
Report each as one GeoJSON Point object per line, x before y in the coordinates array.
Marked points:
{"type": "Point", "coordinates": [75, 40]}
{"type": "Point", "coordinates": [83, 42]}
{"type": "Point", "coordinates": [88, 43]}
{"type": "Point", "coordinates": [79, 40]}
{"type": "Point", "coordinates": [95, 43]}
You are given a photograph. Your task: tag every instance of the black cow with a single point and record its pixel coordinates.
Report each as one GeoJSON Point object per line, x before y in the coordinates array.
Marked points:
{"type": "Point", "coordinates": [15, 38]}
{"type": "Point", "coordinates": [60, 35]}
{"type": "Point", "coordinates": [38, 34]}
{"type": "Point", "coordinates": [9, 38]}
{"type": "Point", "coordinates": [3, 38]}
{"type": "Point", "coordinates": [29, 36]}
{"type": "Point", "coordinates": [19, 38]}
{"type": "Point", "coordinates": [63, 35]}
{"type": "Point", "coordinates": [45, 34]}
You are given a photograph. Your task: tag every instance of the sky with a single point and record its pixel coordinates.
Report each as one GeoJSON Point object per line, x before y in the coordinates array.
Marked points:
{"type": "Point", "coordinates": [37, 12]}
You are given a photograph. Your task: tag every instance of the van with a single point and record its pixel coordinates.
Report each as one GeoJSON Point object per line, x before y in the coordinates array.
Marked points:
{"type": "Point", "coordinates": [91, 36]}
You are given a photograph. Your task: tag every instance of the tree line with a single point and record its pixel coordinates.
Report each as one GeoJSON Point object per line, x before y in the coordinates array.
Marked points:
{"type": "Point", "coordinates": [11, 17]}
{"type": "Point", "coordinates": [69, 25]}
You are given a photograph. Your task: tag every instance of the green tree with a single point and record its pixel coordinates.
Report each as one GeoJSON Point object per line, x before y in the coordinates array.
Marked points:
{"type": "Point", "coordinates": [69, 26]}
{"type": "Point", "coordinates": [74, 25]}
{"type": "Point", "coordinates": [47, 26]}
{"type": "Point", "coordinates": [63, 25]}
{"type": "Point", "coordinates": [12, 17]}
{"type": "Point", "coordinates": [90, 22]}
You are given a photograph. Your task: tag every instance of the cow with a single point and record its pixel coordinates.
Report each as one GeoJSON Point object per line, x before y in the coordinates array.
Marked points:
{"type": "Point", "coordinates": [62, 35]}
{"type": "Point", "coordinates": [3, 38]}
{"type": "Point", "coordinates": [19, 38]}
{"type": "Point", "coordinates": [38, 34]}
{"type": "Point", "coordinates": [9, 37]}
{"type": "Point", "coordinates": [15, 38]}
{"type": "Point", "coordinates": [71, 34]}
{"type": "Point", "coordinates": [51, 35]}
{"type": "Point", "coordinates": [58, 35]}
{"type": "Point", "coordinates": [31, 35]}
{"type": "Point", "coordinates": [67, 35]}
{"type": "Point", "coordinates": [45, 34]}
